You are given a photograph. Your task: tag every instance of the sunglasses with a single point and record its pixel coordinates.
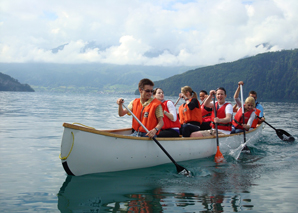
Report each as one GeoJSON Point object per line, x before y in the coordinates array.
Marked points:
{"type": "Point", "coordinates": [148, 90]}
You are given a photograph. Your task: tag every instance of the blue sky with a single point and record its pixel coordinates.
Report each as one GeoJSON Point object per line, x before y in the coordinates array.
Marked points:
{"type": "Point", "coordinates": [145, 32]}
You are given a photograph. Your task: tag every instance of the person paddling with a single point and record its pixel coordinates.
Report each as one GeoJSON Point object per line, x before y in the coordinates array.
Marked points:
{"type": "Point", "coordinates": [206, 111]}
{"type": "Point", "coordinates": [190, 112]}
{"type": "Point", "coordinates": [224, 114]}
{"type": "Point", "coordinates": [147, 109]}
{"type": "Point", "coordinates": [249, 112]}
{"type": "Point", "coordinates": [171, 121]}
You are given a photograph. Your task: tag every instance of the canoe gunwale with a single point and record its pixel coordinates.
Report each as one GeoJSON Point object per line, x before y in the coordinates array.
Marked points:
{"type": "Point", "coordinates": [112, 133]}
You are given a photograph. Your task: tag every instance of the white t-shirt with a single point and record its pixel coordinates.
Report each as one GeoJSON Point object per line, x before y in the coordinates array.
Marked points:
{"type": "Point", "coordinates": [172, 110]}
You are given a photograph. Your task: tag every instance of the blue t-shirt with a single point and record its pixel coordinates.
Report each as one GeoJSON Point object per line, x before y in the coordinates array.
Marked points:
{"type": "Point", "coordinates": [260, 107]}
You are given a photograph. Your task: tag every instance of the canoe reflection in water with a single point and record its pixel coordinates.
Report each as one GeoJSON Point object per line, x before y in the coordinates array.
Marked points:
{"type": "Point", "coordinates": [157, 190]}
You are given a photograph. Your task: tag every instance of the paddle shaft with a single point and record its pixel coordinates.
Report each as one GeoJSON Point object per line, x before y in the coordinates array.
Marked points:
{"type": "Point", "coordinates": [245, 148]}
{"type": "Point", "coordinates": [282, 134]}
{"type": "Point", "coordinates": [215, 113]}
{"type": "Point", "coordinates": [242, 106]}
{"type": "Point", "coordinates": [267, 123]}
{"type": "Point", "coordinates": [177, 101]}
{"type": "Point", "coordinates": [179, 168]}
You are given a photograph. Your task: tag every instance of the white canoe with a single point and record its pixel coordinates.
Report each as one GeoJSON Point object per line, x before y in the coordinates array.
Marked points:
{"type": "Point", "coordinates": [87, 150]}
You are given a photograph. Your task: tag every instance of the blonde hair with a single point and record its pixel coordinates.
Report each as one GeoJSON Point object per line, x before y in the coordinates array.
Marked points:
{"type": "Point", "coordinates": [189, 89]}
{"type": "Point", "coordinates": [250, 100]}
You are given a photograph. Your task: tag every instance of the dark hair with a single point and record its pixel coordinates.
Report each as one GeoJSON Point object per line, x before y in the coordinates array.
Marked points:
{"type": "Point", "coordinates": [221, 88]}
{"type": "Point", "coordinates": [253, 93]}
{"type": "Point", "coordinates": [145, 81]}
{"type": "Point", "coordinates": [204, 91]}
{"type": "Point", "coordinates": [155, 90]}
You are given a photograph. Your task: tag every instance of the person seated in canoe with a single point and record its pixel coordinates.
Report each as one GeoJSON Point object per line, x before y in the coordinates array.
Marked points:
{"type": "Point", "coordinates": [171, 122]}
{"type": "Point", "coordinates": [206, 111]}
{"type": "Point", "coordinates": [224, 114]}
{"type": "Point", "coordinates": [249, 112]}
{"type": "Point", "coordinates": [146, 108]}
{"type": "Point", "coordinates": [259, 107]}
{"type": "Point", "coordinates": [190, 113]}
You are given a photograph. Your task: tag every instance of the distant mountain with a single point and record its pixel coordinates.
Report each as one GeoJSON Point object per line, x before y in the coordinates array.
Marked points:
{"type": "Point", "coordinates": [8, 83]}
{"type": "Point", "coordinates": [87, 77]}
{"type": "Point", "coordinates": [273, 75]}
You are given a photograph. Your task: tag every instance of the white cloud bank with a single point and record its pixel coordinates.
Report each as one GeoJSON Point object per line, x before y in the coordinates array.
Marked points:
{"type": "Point", "coordinates": [166, 32]}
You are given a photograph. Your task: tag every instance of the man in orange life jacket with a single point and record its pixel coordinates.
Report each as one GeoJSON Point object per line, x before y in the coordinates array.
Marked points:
{"type": "Point", "coordinates": [147, 109]}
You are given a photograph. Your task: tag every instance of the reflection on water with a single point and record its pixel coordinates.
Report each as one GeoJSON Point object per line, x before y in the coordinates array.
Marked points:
{"type": "Point", "coordinates": [215, 188]}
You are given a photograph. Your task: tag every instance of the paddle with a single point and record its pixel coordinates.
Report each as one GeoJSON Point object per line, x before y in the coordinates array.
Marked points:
{"type": "Point", "coordinates": [218, 156]}
{"type": "Point", "coordinates": [245, 148]}
{"type": "Point", "coordinates": [177, 101]}
{"type": "Point", "coordinates": [282, 134]}
{"type": "Point", "coordinates": [180, 169]}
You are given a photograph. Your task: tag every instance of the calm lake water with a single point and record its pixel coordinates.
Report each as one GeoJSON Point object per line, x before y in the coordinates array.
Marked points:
{"type": "Point", "coordinates": [32, 178]}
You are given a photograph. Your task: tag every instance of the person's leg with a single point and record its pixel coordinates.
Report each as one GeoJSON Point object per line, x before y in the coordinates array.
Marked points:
{"type": "Point", "coordinates": [168, 133]}
{"type": "Point", "coordinates": [188, 129]}
{"type": "Point", "coordinates": [238, 130]}
{"type": "Point", "coordinates": [139, 134]}
{"type": "Point", "coordinates": [205, 126]}
{"type": "Point", "coordinates": [204, 133]}
{"type": "Point", "coordinates": [233, 129]}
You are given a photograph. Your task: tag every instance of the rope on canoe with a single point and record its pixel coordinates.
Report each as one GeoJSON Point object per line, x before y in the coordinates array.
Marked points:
{"type": "Point", "coordinates": [84, 125]}
{"type": "Point", "coordinates": [64, 158]}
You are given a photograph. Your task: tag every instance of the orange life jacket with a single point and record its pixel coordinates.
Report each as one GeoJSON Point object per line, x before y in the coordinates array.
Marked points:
{"type": "Point", "coordinates": [238, 119]}
{"type": "Point", "coordinates": [145, 114]}
{"type": "Point", "coordinates": [221, 114]}
{"type": "Point", "coordinates": [168, 124]}
{"type": "Point", "coordinates": [206, 114]}
{"type": "Point", "coordinates": [256, 120]}
{"type": "Point", "coordinates": [186, 115]}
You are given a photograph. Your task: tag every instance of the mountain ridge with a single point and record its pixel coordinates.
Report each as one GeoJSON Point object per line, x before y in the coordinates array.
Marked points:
{"type": "Point", "coordinates": [272, 75]}
{"type": "Point", "coordinates": [7, 83]}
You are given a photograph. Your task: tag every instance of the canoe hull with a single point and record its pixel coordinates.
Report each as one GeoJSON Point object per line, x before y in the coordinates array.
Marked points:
{"type": "Point", "coordinates": [85, 151]}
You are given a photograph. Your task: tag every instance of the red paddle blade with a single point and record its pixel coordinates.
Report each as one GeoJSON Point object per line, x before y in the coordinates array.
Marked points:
{"type": "Point", "coordinates": [218, 156]}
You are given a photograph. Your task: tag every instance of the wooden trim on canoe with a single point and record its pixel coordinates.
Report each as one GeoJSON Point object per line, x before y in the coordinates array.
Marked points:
{"type": "Point", "coordinates": [117, 133]}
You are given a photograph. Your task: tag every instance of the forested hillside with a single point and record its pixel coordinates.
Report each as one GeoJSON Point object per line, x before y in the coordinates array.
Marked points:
{"type": "Point", "coordinates": [273, 75]}
{"type": "Point", "coordinates": [8, 83]}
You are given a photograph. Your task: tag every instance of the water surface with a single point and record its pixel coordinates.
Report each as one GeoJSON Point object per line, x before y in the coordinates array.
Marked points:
{"type": "Point", "coordinates": [33, 180]}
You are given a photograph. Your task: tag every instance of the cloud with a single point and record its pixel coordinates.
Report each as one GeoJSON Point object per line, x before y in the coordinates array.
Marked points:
{"type": "Point", "coordinates": [169, 33]}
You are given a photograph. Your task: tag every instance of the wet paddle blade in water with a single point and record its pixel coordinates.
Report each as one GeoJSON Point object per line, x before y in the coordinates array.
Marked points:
{"type": "Point", "coordinates": [185, 172]}
{"type": "Point", "coordinates": [285, 136]}
{"type": "Point", "coordinates": [246, 149]}
{"type": "Point", "coordinates": [218, 156]}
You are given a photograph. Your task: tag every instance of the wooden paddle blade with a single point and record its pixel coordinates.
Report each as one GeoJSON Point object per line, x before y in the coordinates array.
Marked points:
{"type": "Point", "coordinates": [285, 136]}
{"type": "Point", "coordinates": [218, 156]}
